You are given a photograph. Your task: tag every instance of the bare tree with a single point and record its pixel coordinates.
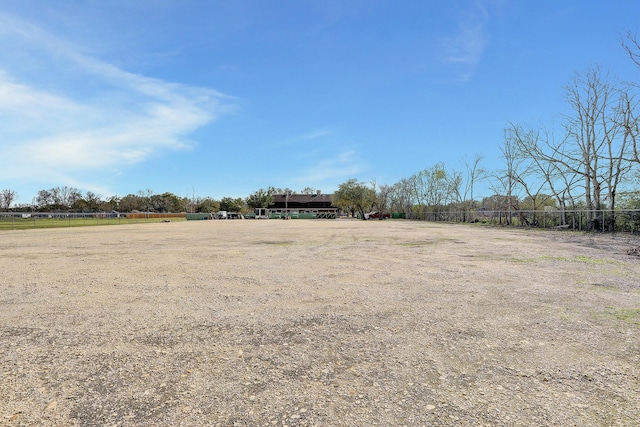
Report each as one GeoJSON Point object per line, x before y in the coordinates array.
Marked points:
{"type": "Point", "coordinates": [553, 177]}
{"type": "Point", "coordinates": [631, 45]}
{"type": "Point", "coordinates": [64, 197]}
{"type": "Point", "coordinates": [462, 183]}
{"type": "Point", "coordinates": [7, 197]}
{"type": "Point", "coordinates": [70, 195]}
{"type": "Point", "coordinates": [594, 151]}
{"type": "Point", "coordinates": [457, 194]}
{"type": "Point", "coordinates": [432, 188]}
{"type": "Point", "coordinates": [583, 150]}
{"type": "Point", "coordinates": [506, 181]}
{"type": "Point", "coordinates": [44, 199]}
{"type": "Point", "coordinates": [588, 96]}
{"type": "Point", "coordinates": [630, 122]}
{"type": "Point", "coordinates": [92, 201]}
{"type": "Point", "coordinates": [400, 197]}
{"type": "Point", "coordinates": [620, 145]}
{"type": "Point", "coordinates": [474, 173]}
{"type": "Point", "coordinates": [381, 197]}
{"type": "Point", "coordinates": [602, 128]}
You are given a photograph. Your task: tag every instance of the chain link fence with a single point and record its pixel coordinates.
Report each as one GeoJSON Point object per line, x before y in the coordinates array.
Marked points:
{"type": "Point", "coordinates": [578, 220]}
{"type": "Point", "coordinates": [28, 220]}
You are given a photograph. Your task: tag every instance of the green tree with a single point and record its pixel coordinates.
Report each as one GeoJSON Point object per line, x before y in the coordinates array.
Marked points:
{"type": "Point", "coordinates": [131, 202]}
{"type": "Point", "coordinates": [231, 205]}
{"type": "Point", "coordinates": [92, 200]}
{"type": "Point", "coordinates": [310, 190]}
{"type": "Point", "coordinates": [354, 197]}
{"type": "Point", "coordinates": [165, 202]}
{"type": "Point", "coordinates": [113, 203]}
{"type": "Point", "coordinates": [207, 205]}
{"type": "Point", "coordinates": [145, 199]}
{"type": "Point", "coordinates": [261, 198]}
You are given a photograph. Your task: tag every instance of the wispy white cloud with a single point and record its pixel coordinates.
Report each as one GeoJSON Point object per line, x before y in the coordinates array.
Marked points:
{"type": "Point", "coordinates": [77, 113]}
{"type": "Point", "coordinates": [314, 135]}
{"type": "Point", "coordinates": [305, 137]}
{"type": "Point", "coordinates": [328, 169]}
{"type": "Point", "coordinates": [465, 48]}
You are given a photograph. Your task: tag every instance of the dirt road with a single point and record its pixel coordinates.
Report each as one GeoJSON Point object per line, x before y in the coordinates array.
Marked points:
{"type": "Point", "coordinates": [318, 323]}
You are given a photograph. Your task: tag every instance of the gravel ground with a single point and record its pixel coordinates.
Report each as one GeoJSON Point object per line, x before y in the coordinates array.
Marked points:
{"type": "Point", "coordinates": [318, 323]}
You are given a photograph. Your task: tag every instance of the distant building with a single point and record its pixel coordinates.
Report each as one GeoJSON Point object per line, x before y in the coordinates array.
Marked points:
{"type": "Point", "coordinates": [303, 206]}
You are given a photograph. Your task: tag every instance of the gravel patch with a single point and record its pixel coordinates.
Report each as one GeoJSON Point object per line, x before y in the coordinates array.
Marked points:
{"type": "Point", "coordinates": [316, 323]}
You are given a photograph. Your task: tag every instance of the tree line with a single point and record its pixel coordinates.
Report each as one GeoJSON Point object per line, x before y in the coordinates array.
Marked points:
{"type": "Point", "coordinates": [71, 199]}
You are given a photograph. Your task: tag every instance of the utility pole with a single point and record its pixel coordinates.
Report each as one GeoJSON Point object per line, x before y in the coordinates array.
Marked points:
{"type": "Point", "coordinates": [286, 204]}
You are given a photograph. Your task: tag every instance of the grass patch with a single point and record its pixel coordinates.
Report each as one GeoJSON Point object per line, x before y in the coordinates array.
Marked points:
{"type": "Point", "coordinates": [589, 260]}
{"type": "Point", "coordinates": [278, 242]}
{"type": "Point", "coordinates": [420, 243]}
{"type": "Point", "coordinates": [33, 223]}
{"type": "Point", "coordinates": [541, 258]}
{"type": "Point", "coordinates": [578, 258]}
{"type": "Point", "coordinates": [629, 315]}
{"type": "Point", "coordinates": [415, 244]}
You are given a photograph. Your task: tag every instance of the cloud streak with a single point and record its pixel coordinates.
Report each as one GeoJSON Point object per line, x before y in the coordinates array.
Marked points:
{"type": "Point", "coordinates": [465, 48]}
{"type": "Point", "coordinates": [78, 114]}
{"type": "Point", "coordinates": [342, 165]}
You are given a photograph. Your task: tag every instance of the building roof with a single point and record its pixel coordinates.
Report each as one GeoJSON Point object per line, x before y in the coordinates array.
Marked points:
{"type": "Point", "coordinates": [303, 201]}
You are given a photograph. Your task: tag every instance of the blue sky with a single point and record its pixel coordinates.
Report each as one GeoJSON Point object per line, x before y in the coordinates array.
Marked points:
{"type": "Point", "coordinates": [221, 98]}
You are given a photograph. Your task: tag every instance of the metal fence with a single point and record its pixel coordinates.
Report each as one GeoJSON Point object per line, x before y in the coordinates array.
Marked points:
{"type": "Point", "coordinates": [579, 220]}
{"type": "Point", "coordinates": [27, 220]}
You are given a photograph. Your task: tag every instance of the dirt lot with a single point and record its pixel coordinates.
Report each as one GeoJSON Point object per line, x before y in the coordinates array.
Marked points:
{"type": "Point", "coordinates": [318, 323]}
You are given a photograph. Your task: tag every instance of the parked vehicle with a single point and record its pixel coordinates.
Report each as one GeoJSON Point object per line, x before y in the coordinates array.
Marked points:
{"type": "Point", "coordinates": [228, 215]}
{"type": "Point", "coordinates": [376, 215]}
